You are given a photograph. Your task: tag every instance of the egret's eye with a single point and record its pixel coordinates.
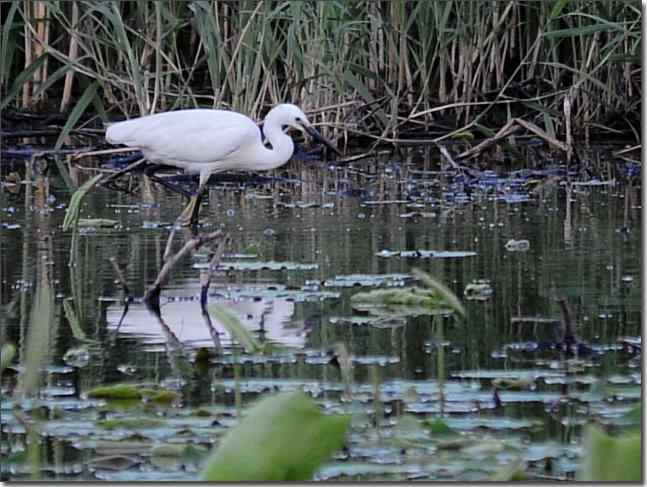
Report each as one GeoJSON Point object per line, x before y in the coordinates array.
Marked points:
{"type": "Point", "coordinates": [298, 120]}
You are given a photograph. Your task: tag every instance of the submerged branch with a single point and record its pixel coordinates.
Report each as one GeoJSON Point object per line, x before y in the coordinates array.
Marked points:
{"type": "Point", "coordinates": [151, 298]}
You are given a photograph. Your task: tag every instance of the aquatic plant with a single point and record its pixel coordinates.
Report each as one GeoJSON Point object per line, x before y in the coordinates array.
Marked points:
{"type": "Point", "coordinates": [373, 70]}
{"type": "Point", "coordinates": [237, 330]}
{"type": "Point", "coordinates": [284, 437]}
{"type": "Point", "coordinates": [136, 392]}
{"type": "Point", "coordinates": [611, 459]}
{"type": "Point", "coordinates": [7, 353]}
{"type": "Point", "coordinates": [436, 298]}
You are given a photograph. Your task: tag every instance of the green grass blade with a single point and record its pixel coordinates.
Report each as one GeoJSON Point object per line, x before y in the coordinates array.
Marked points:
{"type": "Point", "coordinates": [441, 289]}
{"type": "Point", "coordinates": [236, 329]}
{"type": "Point", "coordinates": [74, 208]}
{"type": "Point", "coordinates": [7, 353]}
{"type": "Point", "coordinates": [75, 115]}
{"type": "Point", "coordinates": [21, 79]}
{"type": "Point", "coordinates": [558, 6]}
{"type": "Point", "coordinates": [6, 50]}
{"type": "Point", "coordinates": [364, 92]}
{"type": "Point", "coordinates": [38, 344]}
{"type": "Point", "coordinates": [610, 458]}
{"type": "Point", "coordinates": [51, 79]}
{"type": "Point", "coordinates": [583, 31]}
{"type": "Point", "coordinates": [73, 320]}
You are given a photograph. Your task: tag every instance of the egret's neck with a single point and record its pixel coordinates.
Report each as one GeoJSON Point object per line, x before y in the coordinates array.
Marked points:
{"type": "Point", "coordinates": [282, 144]}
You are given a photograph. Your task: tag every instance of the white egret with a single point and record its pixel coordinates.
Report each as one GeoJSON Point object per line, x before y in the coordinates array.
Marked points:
{"type": "Point", "coordinates": [207, 141]}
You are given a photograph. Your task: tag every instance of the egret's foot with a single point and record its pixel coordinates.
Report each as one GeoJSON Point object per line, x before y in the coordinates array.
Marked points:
{"type": "Point", "coordinates": [189, 215]}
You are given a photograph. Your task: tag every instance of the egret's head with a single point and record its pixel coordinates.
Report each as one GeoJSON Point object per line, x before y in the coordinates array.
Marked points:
{"type": "Point", "coordinates": [291, 116]}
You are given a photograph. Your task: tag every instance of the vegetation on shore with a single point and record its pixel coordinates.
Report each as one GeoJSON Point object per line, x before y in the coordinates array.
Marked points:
{"type": "Point", "coordinates": [379, 70]}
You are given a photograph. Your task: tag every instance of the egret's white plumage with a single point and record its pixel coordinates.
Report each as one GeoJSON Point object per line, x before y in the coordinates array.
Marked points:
{"type": "Point", "coordinates": [207, 141]}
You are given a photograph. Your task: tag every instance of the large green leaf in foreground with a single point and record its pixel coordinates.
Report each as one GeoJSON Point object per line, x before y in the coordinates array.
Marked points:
{"type": "Point", "coordinates": [282, 437]}
{"type": "Point", "coordinates": [611, 459]}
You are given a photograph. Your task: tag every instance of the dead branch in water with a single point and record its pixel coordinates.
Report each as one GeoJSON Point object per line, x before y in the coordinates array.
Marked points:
{"type": "Point", "coordinates": [205, 281]}
{"type": "Point", "coordinates": [151, 298]}
{"type": "Point", "coordinates": [513, 125]}
{"type": "Point", "coordinates": [121, 280]}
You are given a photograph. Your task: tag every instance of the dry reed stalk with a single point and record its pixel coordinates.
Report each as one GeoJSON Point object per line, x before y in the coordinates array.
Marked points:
{"type": "Point", "coordinates": [72, 54]}
{"type": "Point", "coordinates": [36, 37]}
{"type": "Point", "coordinates": [413, 56]}
{"type": "Point", "coordinates": [28, 84]}
{"type": "Point", "coordinates": [42, 27]}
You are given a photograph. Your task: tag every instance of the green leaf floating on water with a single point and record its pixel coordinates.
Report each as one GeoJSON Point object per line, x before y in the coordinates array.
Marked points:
{"type": "Point", "coordinates": [282, 437]}
{"type": "Point", "coordinates": [97, 222]}
{"type": "Point", "coordinates": [610, 458]}
{"type": "Point", "coordinates": [435, 297]}
{"type": "Point", "coordinates": [409, 296]}
{"type": "Point", "coordinates": [438, 427]}
{"type": "Point", "coordinates": [512, 472]}
{"type": "Point", "coordinates": [116, 391]}
{"type": "Point", "coordinates": [121, 392]}
{"type": "Point", "coordinates": [130, 423]}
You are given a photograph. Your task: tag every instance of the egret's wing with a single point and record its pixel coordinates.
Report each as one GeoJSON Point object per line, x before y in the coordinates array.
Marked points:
{"type": "Point", "coordinates": [187, 135]}
{"type": "Point", "coordinates": [200, 145]}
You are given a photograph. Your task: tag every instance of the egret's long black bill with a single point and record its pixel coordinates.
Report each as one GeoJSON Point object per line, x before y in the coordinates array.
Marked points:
{"type": "Point", "coordinates": [314, 133]}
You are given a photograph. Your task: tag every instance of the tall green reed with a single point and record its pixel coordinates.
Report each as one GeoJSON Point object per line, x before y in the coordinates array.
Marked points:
{"type": "Point", "coordinates": [361, 66]}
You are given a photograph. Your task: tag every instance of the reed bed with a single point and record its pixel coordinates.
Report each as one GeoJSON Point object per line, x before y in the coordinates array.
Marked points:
{"type": "Point", "coordinates": [380, 70]}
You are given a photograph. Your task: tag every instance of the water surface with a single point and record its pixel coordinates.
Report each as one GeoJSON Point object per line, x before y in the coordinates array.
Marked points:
{"type": "Point", "coordinates": [300, 248]}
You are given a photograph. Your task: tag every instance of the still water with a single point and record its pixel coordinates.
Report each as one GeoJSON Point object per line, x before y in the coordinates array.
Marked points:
{"type": "Point", "coordinates": [300, 247]}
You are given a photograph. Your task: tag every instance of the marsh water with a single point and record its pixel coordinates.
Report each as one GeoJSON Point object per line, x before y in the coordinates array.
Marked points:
{"type": "Point", "coordinates": [301, 246]}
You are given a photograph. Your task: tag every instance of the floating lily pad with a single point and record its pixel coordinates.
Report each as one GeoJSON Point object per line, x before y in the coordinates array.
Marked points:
{"type": "Point", "coordinates": [416, 300]}
{"type": "Point", "coordinates": [161, 396]}
{"type": "Point", "coordinates": [279, 292]}
{"type": "Point", "coordinates": [117, 391]}
{"type": "Point", "coordinates": [454, 444]}
{"type": "Point", "coordinates": [513, 472]}
{"type": "Point", "coordinates": [368, 280]}
{"type": "Point", "coordinates": [134, 392]}
{"type": "Point", "coordinates": [410, 296]}
{"type": "Point", "coordinates": [385, 313]}
{"type": "Point", "coordinates": [134, 423]}
{"type": "Point", "coordinates": [114, 462]}
{"type": "Point", "coordinates": [526, 374]}
{"type": "Point", "coordinates": [478, 291]}
{"type": "Point", "coordinates": [386, 321]}
{"type": "Point", "coordinates": [260, 266]}
{"type": "Point", "coordinates": [427, 254]}
{"type": "Point", "coordinates": [512, 384]}
{"type": "Point", "coordinates": [97, 222]}
{"type": "Point", "coordinates": [180, 450]}
{"type": "Point", "coordinates": [513, 245]}
{"type": "Point", "coordinates": [438, 427]}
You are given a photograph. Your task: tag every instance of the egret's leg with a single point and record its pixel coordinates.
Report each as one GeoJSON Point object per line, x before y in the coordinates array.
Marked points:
{"type": "Point", "coordinates": [189, 215]}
